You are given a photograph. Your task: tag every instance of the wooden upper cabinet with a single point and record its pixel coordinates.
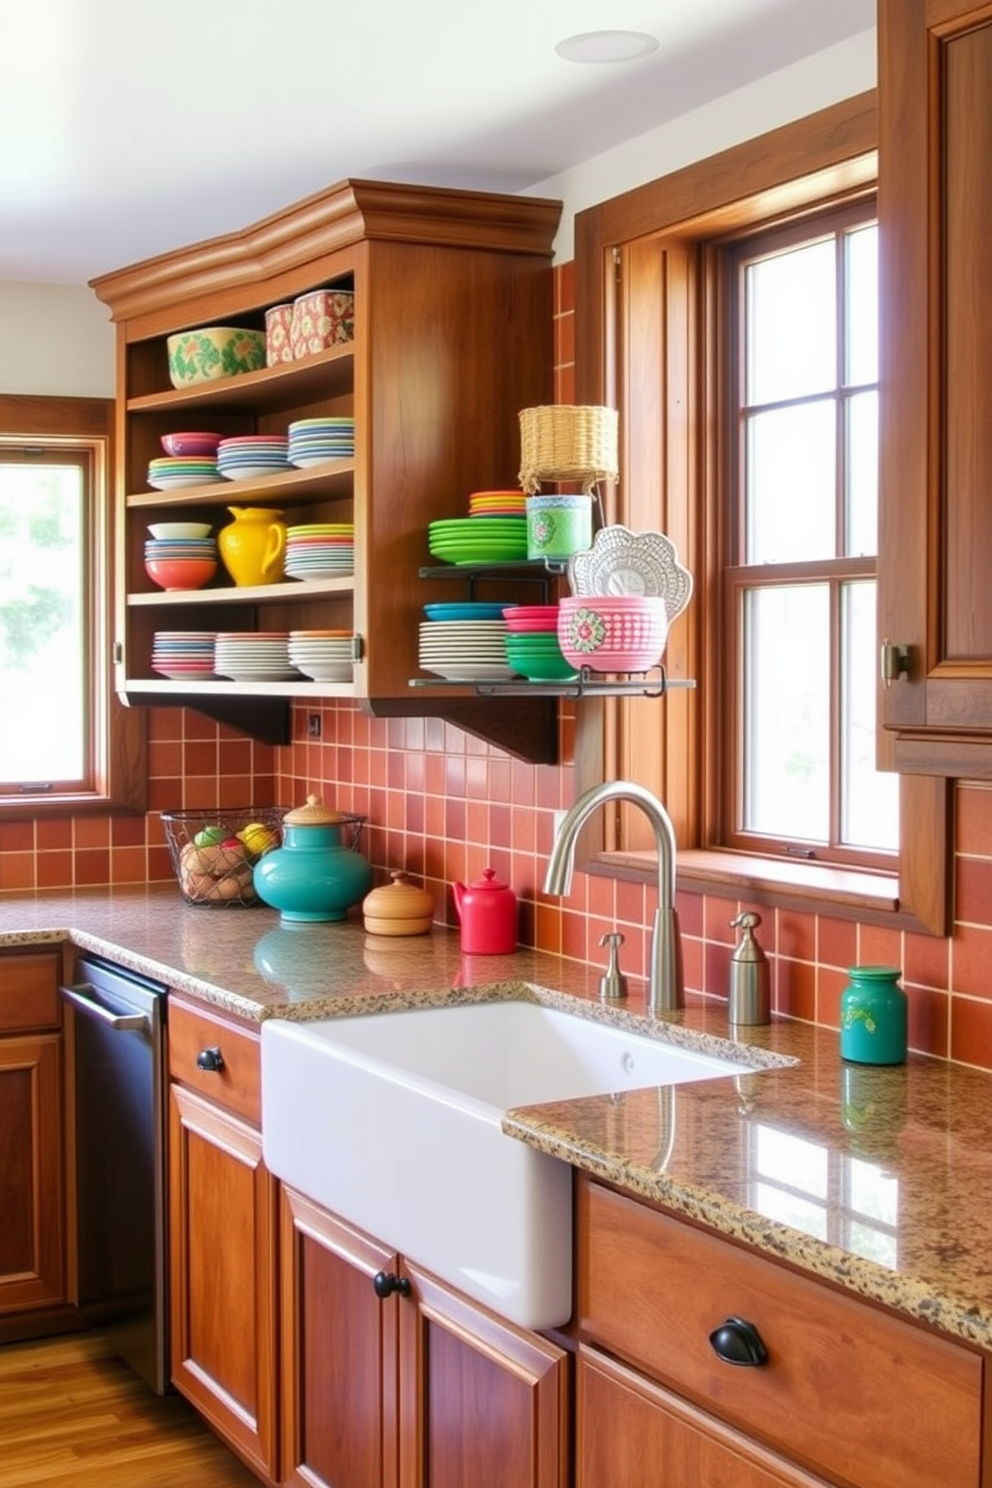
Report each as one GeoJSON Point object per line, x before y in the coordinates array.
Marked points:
{"type": "Point", "coordinates": [935, 537]}
{"type": "Point", "coordinates": [453, 335]}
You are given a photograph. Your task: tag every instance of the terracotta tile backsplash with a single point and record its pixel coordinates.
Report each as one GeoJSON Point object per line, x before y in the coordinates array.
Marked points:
{"type": "Point", "coordinates": [445, 806]}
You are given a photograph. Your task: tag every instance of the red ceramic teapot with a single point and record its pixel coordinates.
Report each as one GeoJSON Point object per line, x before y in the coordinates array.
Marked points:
{"type": "Point", "coordinates": [487, 911]}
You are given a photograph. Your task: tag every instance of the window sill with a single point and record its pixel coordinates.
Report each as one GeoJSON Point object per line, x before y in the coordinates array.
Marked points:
{"type": "Point", "coordinates": [813, 887]}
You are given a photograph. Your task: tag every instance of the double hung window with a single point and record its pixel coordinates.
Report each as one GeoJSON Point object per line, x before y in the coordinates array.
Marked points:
{"type": "Point", "coordinates": [799, 571]}
{"type": "Point", "coordinates": [65, 742]}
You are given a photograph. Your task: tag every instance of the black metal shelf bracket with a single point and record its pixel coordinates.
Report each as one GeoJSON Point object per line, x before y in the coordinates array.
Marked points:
{"type": "Point", "coordinates": [586, 684]}
{"type": "Point", "coordinates": [541, 571]}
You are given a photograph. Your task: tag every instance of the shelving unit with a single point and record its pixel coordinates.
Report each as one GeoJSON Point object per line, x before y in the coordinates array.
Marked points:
{"type": "Point", "coordinates": [453, 335]}
{"type": "Point", "coordinates": [589, 684]}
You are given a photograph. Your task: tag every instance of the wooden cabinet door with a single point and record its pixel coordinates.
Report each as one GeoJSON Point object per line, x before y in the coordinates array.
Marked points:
{"type": "Point", "coordinates": [935, 517]}
{"type": "Point", "coordinates": [481, 1401]}
{"type": "Point", "coordinates": [32, 1214]}
{"type": "Point", "coordinates": [338, 1353]}
{"type": "Point", "coordinates": [222, 1265]}
{"type": "Point", "coordinates": [630, 1432]}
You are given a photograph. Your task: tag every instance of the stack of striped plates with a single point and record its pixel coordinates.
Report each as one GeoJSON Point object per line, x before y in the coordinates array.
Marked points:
{"type": "Point", "coordinates": [252, 456]}
{"type": "Point", "coordinates": [323, 655]}
{"type": "Point", "coordinates": [170, 472]}
{"type": "Point", "coordinates": [465, 650]}
{"type": "Point", "coordinates": [184, 655]}
{"type": "Point", "coordinates": [320, 550]}
{"type": "Point", "coordinates": [497, 504]}
{"type": "Point", "coordinates": [315, 440]}
{"type": "Point", "coordinates": [255, 656]}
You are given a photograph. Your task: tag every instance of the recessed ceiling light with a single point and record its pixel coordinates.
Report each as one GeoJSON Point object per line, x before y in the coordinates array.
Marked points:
{"type": "Point", "coordinates": [606, 46]}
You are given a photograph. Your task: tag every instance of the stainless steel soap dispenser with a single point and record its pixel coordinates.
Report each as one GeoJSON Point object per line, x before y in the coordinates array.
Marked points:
{"type": "Point", "coordinates": [613, 983]}
{"type": "Point", "coordinates": [749, 1000]}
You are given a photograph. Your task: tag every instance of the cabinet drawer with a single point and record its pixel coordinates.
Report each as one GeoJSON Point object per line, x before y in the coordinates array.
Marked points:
{"type": "Point", "coordinates": [845, 1384]}
{"type": "Point", "coordinates": [29, 991]}
{"type": "Point", "coordinates": [236, 1085]}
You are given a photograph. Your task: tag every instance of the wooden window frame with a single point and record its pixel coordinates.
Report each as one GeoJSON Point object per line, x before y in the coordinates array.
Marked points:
{"type": "Point", "coordinates": [726, 261]}
{"type": "Point", "coordinates": [119, 773]}
{"type": "Point", "coordinates": [641, 250]}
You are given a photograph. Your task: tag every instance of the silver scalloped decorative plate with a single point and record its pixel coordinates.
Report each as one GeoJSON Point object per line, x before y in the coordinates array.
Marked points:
{"type": "Point", "coordinates": [625, 562]}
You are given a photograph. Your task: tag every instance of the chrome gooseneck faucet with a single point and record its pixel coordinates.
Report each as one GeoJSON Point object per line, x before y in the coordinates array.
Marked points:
{"type": "Point", "coordinates": [665, 985]}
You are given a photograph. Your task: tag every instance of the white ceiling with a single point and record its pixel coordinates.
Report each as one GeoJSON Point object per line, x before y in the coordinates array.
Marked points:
{"type": "Point", "coordinates": [130, 127]}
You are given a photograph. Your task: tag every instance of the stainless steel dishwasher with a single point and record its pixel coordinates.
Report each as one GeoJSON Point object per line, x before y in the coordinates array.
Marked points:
{"type": "Point", "coordinates": [117, 1042]}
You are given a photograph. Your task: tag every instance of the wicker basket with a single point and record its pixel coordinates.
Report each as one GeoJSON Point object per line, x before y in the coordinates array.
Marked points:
{"type": "Point", "coordinates": [208, 871]}
{"type": "Point", "coordinates": [567, 442]}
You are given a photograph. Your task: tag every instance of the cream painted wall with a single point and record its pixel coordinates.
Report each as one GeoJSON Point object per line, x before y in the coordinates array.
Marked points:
{"type": "Point", "coordinates": [827, 77]}
{"type": "Point", "coordinates": [56, 339]}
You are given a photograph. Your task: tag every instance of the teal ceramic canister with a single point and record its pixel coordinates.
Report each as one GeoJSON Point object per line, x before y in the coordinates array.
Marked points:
{"type": "Point", "coordinates": [873, 1016]}
{"type": "Point", "coordinates": [316, 874]}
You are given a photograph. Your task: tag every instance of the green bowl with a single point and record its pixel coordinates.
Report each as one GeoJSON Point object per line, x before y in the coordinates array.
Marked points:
{"type": "Point", "coordinates": [531, 640]}
{"type": "Point", "coordinates": [544, 668]}
{"type": "Point", "coordinates": [539, 658]}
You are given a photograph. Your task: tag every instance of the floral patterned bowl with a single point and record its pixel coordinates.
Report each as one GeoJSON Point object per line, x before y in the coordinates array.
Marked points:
{"type": "Point", "coordinates": [612, 632]}
{"type": "Point", "coordinates": [214, 352]}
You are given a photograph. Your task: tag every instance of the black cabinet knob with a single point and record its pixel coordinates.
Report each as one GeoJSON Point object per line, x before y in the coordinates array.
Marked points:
{"type": "Point", "coordinates": [210, 1059]}
{"type": "Point", "coordinates": [737, 1341]}
{"type": "Point", "coordinates": [385, 1283]}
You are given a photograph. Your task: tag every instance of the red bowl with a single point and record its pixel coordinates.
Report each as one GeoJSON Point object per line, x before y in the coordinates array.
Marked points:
{"type": "Point", "coordinates": [181, 573]}
{"type": "Point", "coordinates": [517, 626]}
{"type": "Point", "coordinates": [525, 619]}
{"type": "Point", "coordinates": [532, 612]}
{"type": "Point", "coordinates": [184, 445]}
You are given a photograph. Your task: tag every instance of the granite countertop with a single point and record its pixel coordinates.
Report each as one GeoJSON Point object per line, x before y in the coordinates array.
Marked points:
{"type": "Point", "coordinates": [878, 1180]}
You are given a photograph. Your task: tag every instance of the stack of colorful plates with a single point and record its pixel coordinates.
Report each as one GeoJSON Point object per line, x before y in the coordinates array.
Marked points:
{"type": "Point", "coordinates": [465, 650]}
{"type": "Point", "coordinates": [252, 456]}
{"type": "Point", "coordinates": [184, 655]}
{"type": "Point", "coordinates": [180, 547]}
{"type": "Point", "coordinates": [256, 656]}
{"type": "Point", "coordinates": [170, 472]}
{"type": "Point", "coordinates": [315, 440]}
{"type": "Point", "coordinates": [478, 539]}
{"type": "Point", "coordinates": [497, 504]}
{"type": "Point", "coordinates": [323, 655]}
{"type": "Point", "coordinates": [320, 550]}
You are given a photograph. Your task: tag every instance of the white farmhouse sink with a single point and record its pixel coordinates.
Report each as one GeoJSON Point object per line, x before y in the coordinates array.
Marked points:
{"type": "Point", "coordinates": [392, 1121]}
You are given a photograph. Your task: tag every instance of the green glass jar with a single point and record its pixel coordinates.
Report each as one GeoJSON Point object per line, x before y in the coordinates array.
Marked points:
{"type": "Point", "coordinates": [873, 1016]}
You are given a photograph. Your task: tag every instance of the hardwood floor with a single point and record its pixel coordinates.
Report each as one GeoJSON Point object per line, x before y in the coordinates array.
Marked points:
{"type": "Point", "coordinates": [71, 1412]}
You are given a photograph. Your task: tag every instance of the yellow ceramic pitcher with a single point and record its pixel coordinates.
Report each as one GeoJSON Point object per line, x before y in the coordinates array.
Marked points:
{"type": "Point", "coordinates": [253, 546]}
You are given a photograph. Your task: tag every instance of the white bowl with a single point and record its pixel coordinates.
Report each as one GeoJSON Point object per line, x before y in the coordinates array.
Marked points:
{"type": "Point", "coordinates": [180, 529]}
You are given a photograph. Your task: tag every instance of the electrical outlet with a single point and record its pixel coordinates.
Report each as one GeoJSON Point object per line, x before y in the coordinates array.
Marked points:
{"type": "Point", "coordinates": [558, 818]}
{"type": "Point", "coordinates": [313, 725]}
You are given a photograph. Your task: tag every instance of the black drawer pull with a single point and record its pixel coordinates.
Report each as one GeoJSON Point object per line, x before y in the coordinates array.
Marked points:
{"type": "Point", "coordinates": [210, 1059]}
{"type": "Point", "coordinates": [738, 1342]}
{"type": "Point", "coordinates": [385, 1283]}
